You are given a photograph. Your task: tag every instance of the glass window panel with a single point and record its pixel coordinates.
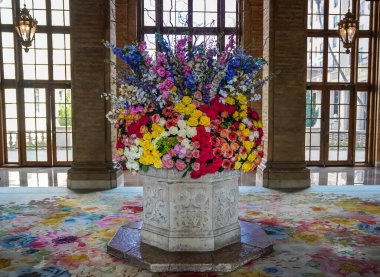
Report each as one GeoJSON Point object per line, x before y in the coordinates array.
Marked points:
{"type": "Point", "coordinates": [41, 40]}
{"type": "Point", "coordinates": [362, 74]}
{"type": "Point", "coordinates": [31, 155]}
{"type": "Point", "coordinates": [56, 4]}
{"type": "Point", "coordinates": [41, 124]}
{"type": "Point", "coordinates": [29, 57]}
{"type": "Point", "coordinates": [315, 154]}
{"type": "Point", "coordinates": [333, 154]}
{"type": "Point", "coordinates": [6, 16]}
{"type": "Point", "coordinates": [149, 18]}
{"type": "Point", "coordinates": [343, 154]}
{"type": "Point", "coordinates": [8, 39]}
{"type": "Point", "coordinates": [42, 56]}
{"type": "Point", "coordinates": [59, 72]}
{"type": "Point", "coordinates": [67, 18]}
{"type": "Point", "coordinates": [30, 124]}
{"type": "Point", "coordinates": [10, 96]}
{"type": "Point", "coordinates": [57, 18]}
{"type": "Point", "coordinates": [150, 4]}
{"type": "Point", "coordinates": [30, 110]}
{"type": "Point", "coordinates": [42, 72]}
{"type": "Point", "coordinates": [363, 44]}
{"type": "Point", "coordinates": [10, 111]}
{"type": "Point", "coordinates": [61, 140]}
{"type": "Point", "coordinates": [58, 41]}
{"type": "Point", "coordinates": [362, 98]}
{"type": "Point", "coordinates": [9, 71]}
{"type": "Point", "coordinates": [11, 125]}
{"type": "Point", "coordinates": [59, 56]}
{"type": "Point", "coordinates": [230, 5]}
{"type": "Point", "coordinates": [8, 55]}
{"type": "Point", "coordinates": [230, 19]}
{"type": "Point", "coordinates": [42, 157]}
{"type": "Point", "coordinates": [40, 15]}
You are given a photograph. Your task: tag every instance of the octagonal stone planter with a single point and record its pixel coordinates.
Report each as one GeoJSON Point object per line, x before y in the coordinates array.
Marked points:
{"type": "Point", "coordinates": [185, 214]}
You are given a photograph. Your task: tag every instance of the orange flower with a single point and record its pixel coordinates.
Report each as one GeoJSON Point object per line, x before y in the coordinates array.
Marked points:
{"type": "Point", "coordinates": [234, 146]}
{"type": "Point", "coordinates": [223, 133]}
{"type": "Point", "coordinates": [143, 129]}
{"type": "Point", "coordinates": [225, 147]}
{"type": "Point", "coordinates": [224, 114]}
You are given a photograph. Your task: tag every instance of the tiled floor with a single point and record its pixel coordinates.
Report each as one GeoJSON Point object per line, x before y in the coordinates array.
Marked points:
{"type": "Point", "coordinates": [57, 177]}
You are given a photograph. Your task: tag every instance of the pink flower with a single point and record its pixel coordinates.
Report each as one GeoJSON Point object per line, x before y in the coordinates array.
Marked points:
{"type": "Point", "coordinates": [189, 154]}
{"type": "Point", "coordinates": [156, 118]}
{"type": "Point", "coordinates": [180, 165]}
{"type": "Point", "coordinates": [180, 151]}
{"type": "Point", "coordinates": [196, 144]}
{"type": "Point", "coordinates": [198, 95]}
{"type": "Point", "coordinates": [161, 72]}
{"type": "Point", "coordinates": [167, 163]}
{"type": "Point", "coordinates": [196, 153]}
{"type": "Point", "coordinates": [171, 153]}
{"type": "Point", "coordinates": [196, 166]}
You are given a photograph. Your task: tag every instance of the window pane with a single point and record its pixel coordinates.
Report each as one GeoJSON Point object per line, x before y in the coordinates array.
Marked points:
{"type": "Point", "coordinates": [315, 17]}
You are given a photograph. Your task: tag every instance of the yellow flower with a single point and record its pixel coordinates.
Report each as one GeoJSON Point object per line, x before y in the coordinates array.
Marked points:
{"type": "Point", "coordinates": [241, 126]}
{"type": "Point", "coordinates": [246, 132]}
{"type": "Point", "coordinates": [179, 108]}
{"type": "Point", "coordinates": [242, 99]}
{"type": "Point", "coordinates": [158, 128]}
{"type": "Point", "coordinates": [247, 166]}
{"type": "Point", "coordinates": [197, 114]}
{"type": "Point", "coordinates": [187, 111]}
{"type": "Point", "coordinates": [237, 165]}
{"type": "Point", "coordinates": [248, 145]}
{"type": "Point", "coordinates": [251, 157]}
{"type": "Point", "coordinates": [146, 144]}
{"type": "Point", "coordinates": [229, 100]}
{"type": "Point", "coordinates": [243, 156]}
{"type": "Point", "coordinates": [155, 134]}
{"type": "Point", "coordinates": [193, 122]}
{"type": "Point", "coordinates": [156, 153]}
{"type": "Point", "coordinates": [120, 151]}
{"type": "Point", "coordinates": [157, 163]}
{"type": "Point", "coordinates": [205, 121]}
{"type": "Point", "coordinates": [192, 107]}
{"type": "Point", "coordinates": [121, 116]}
{"type": "Point", "coordinates": [147, 136]}
{"type": "Point", "coordinates": [235, 115]}
{"type": "Point", "coordinates": [186, 100]}
{"type": "Point", "coordinates": [174, 89]}
{"type": "Point", "coordinates": [243, 107]}
{"type": "Point", "coordinates": [146, 159]}
{"type": "Point", "coordinates": [243, 114]}
{"type": "Point", "coordinates": [260, 124]}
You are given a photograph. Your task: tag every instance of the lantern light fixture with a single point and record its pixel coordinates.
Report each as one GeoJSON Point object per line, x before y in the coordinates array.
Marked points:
{"type": "Point", "coordinates": [348, 29]}
{"type": "Point", "coordinates": [26, 27]}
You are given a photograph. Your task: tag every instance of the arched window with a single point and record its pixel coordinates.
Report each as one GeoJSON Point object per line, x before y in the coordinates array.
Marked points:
{"type": "Point", "coordinates": [205, 20]}
{"type": "Point", "coordinates": [35, 86]}
{"type": "Point", "coordinates": [339, 84]}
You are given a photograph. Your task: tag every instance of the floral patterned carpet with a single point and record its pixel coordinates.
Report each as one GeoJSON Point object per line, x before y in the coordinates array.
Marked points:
{"type": "Point", "coordinates": [61, 233]}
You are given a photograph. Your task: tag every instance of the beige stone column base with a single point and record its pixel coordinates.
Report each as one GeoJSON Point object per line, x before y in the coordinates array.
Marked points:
{"type": "Point", "coordinates": [94, 178]}
{"type": "Point", "coordinates": [283, 178]}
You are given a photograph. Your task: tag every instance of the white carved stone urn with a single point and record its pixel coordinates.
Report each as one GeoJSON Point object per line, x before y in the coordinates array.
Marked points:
{"type": "Point", "coordinates": [185, 214]}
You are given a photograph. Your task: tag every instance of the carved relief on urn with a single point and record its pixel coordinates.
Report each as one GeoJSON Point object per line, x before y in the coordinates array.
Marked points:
{"type": "Point", "coordinates": [184, 214]}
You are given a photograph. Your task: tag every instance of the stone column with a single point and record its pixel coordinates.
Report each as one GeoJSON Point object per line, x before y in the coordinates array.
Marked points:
{"type": "Point", "coordinates": [92, 22]}
{"type": "Point", "coordinates": [284, 39]}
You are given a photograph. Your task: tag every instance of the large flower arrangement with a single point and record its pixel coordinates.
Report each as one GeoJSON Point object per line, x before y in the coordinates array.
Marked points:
{"type": "Point", "coordinates": [187, 108]}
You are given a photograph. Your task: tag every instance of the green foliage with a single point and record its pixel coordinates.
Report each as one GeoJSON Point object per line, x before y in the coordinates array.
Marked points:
{"type": "Point", "coordinates": [311, 110]}
{"type": "Point", "coordinates": [164, 144]}
{"type": "Point", "coordinates": [64, 112]}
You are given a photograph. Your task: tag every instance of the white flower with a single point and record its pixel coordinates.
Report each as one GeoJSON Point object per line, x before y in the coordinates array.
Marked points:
{"type": "Point", "coordinates": [181, 124]}
{"type": "Point", "coordinates": [182, 133]}
{"type": "Point", "coordinates": [162, 122]}
{"type": "Point", "coordinates": [191, 131]}
{"type": "Point", "coordinates": [173, 130]}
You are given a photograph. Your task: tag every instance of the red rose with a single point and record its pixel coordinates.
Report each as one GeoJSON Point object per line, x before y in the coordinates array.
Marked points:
{"type": "Point", "coordinates": [226, 164]}
{"type": "Point", "coordinates": [170, 123]}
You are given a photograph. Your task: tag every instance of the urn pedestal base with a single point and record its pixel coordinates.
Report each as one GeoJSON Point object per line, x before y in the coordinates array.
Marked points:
{"type": "Point", "coordinates": [253, 244]}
